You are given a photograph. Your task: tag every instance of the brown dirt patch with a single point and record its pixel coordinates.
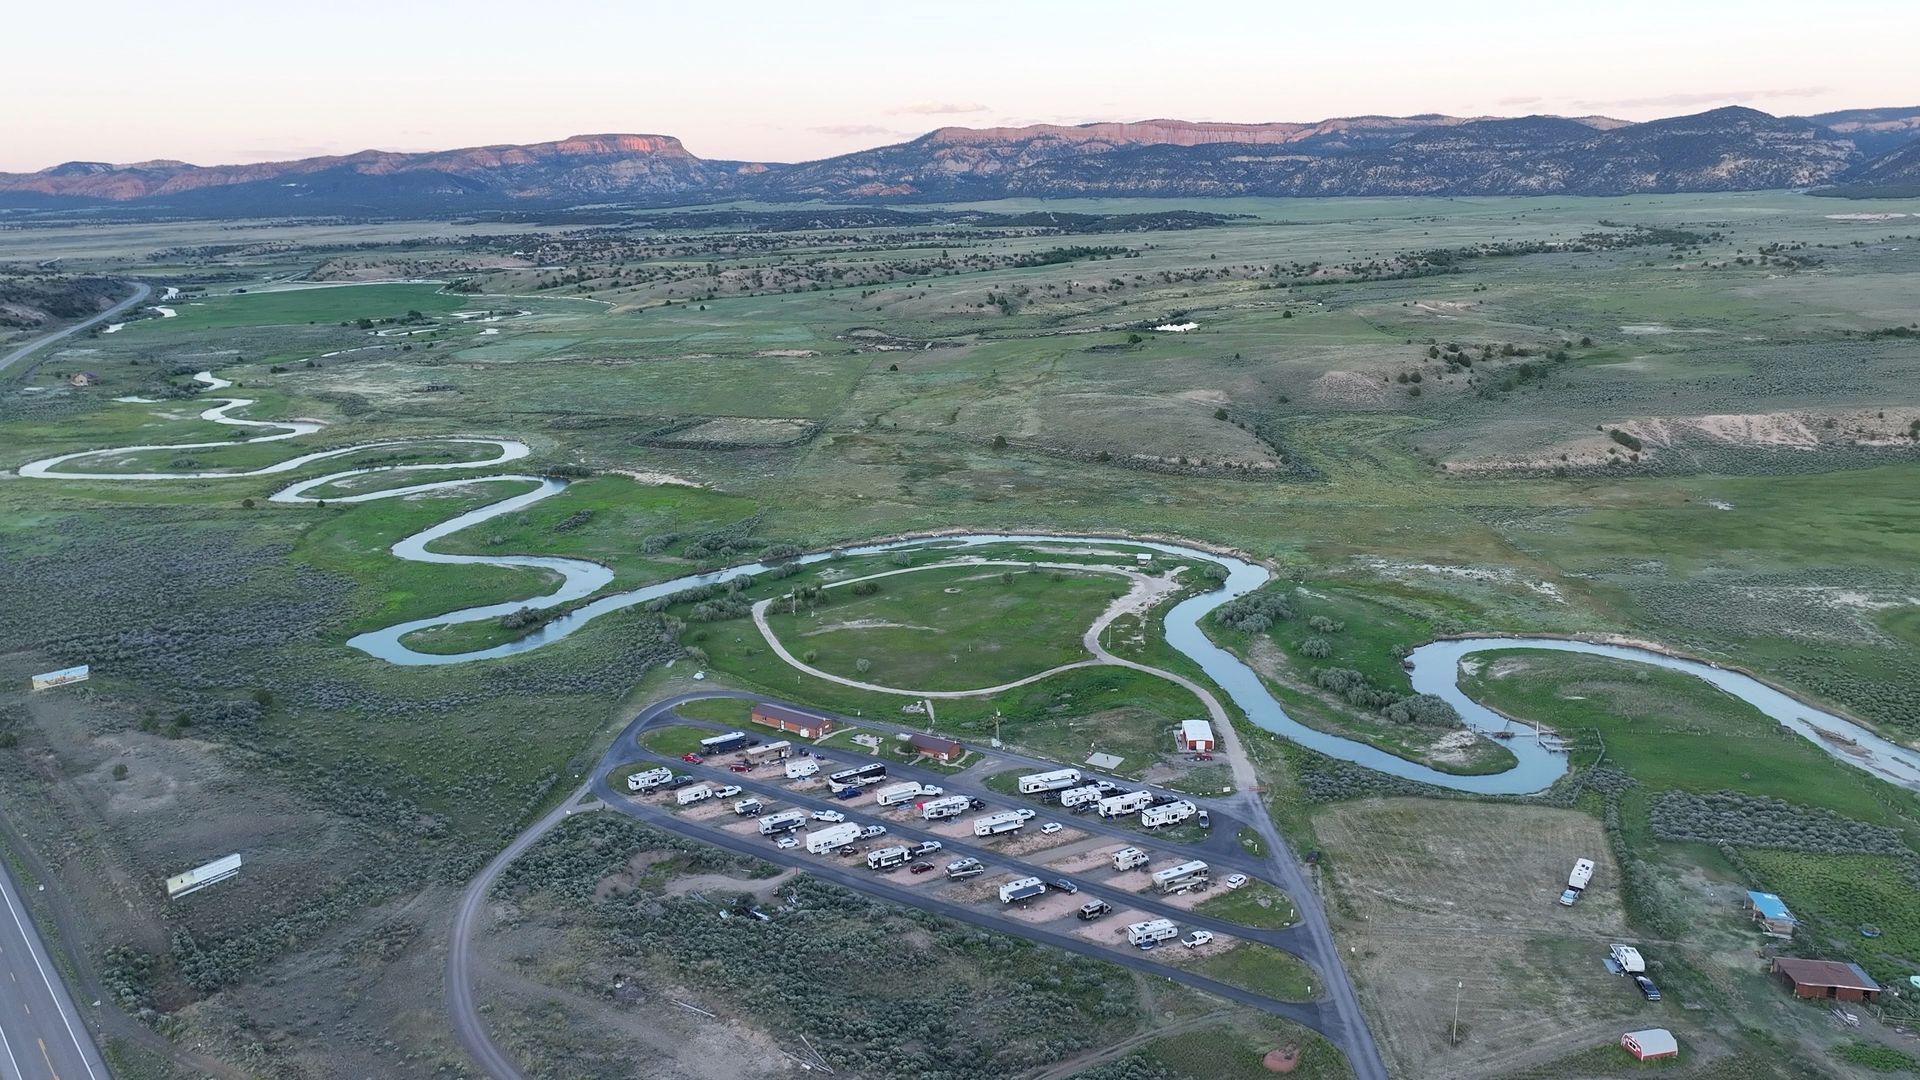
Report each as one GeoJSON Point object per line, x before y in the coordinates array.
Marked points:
{"type": "Point", "coordinates": [1435, 894]}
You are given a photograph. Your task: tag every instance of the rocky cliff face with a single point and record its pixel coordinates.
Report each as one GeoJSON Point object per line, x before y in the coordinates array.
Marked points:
{"type": "Point", "coordinates": [1722, 150]}
{"type": "Point", "coordinates": [581, 167]}
{"type": "Point", "coordinates": [1727, 149]}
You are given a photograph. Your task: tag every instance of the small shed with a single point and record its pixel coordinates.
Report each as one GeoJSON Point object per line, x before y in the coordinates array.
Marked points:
{"type": "Point", "coordinates": [1651, 1044]}
{"type": "Point", "coordinates": [933, 746]}
{"type": "Point", "coordinates": [1771, 913]}
{"type": "Point", "coordinates": [804, 724]}
{"type": "Point", "coordinates": [1196, 736]}
{"type": "Point", "coordinates": [1833, 980]}
{"type": "Point", "coordinates": [83, 378]}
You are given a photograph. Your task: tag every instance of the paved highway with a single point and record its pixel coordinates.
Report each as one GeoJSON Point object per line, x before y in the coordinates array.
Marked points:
{"type": "Point", "coordinates": [42, 1036]}
{"type": "Point", "coordinates": [141, 291]}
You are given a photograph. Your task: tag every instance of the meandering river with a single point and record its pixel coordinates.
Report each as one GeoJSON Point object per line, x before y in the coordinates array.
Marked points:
{"type": "Point", "coordinates": [1434, 668]}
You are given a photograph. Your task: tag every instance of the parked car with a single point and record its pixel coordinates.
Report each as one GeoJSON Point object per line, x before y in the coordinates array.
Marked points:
{"type": "Point", "coordinates": [691, 758]}
{"type": "Point", "coordinates": [1065, 886]}
{"type": "Point", "coordinates": [1647, 989]}
{"type": "Point", "coordinates": [739, 766]}
{"type": "Point", "coordinates": [1051, 827]}
{"type": "Point", "coordinates": [829, 815]}
{"type": "Point", "coordinates": [1234, 881]}
{"type": "Point", "coordinates": [872, 831]}
{"type": "Point", "coordinates": [786, 841]}
{"type": "Point", "coordinates": [976, 804]}
{"type": "Point", "coordinates": [1206, 820]}
{"type": "Point", "coordinates": [680, 781]}
{"type": "Point", "coordinates": [921, 867]}
{"type": "Point", "coordinates": [1197, 939]}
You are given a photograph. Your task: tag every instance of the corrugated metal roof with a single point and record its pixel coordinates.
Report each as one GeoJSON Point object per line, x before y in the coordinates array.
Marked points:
{"type": "Point", "coordinates": [1196, 731]}
{"type": "Point", "coordinates": [934, 744]}
{"type": "Point", "coordinates": [1825, 973]}
{"type": "Point", "coordinates": [1769, 906]}
{"type": "Point", "coordinates": [1655, 1041]}
{"type": "Point", "coordinates": [202, 876]}
{"type": "Point", "coordinates": [781, 712]}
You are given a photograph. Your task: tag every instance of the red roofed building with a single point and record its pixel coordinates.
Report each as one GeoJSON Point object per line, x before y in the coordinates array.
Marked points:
{"type": "Point", "coordinates": [804, 724]}
{"type": "Point", "coordinates": [1827, 979]}
{"type": "Point", "coordinates": [939, 749]}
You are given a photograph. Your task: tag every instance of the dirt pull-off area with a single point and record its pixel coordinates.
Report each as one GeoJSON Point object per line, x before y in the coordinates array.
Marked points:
{"type": "Point", "coordinates": [1443, 898]}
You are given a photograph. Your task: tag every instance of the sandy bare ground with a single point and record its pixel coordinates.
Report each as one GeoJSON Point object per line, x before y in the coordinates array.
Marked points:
{"type": "Point", "coordinates": [1435, 894]}
{"type": "Point", "coordinates": [1808, 429]}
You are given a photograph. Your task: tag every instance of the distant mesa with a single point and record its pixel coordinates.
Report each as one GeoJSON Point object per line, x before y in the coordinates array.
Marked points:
{"type": "Point", "coordinates": [1864, 151]}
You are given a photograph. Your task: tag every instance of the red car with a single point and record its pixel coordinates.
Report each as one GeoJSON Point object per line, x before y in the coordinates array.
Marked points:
{"type": "Point", "coordinates": [739, 766]}
{"type": "Point", "coordinates": [921, 867]}
{"type": "Point", "coordinates": [690, 758]}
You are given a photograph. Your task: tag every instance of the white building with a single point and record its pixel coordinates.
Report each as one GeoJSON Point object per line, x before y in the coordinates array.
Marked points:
{"type": "Point", "coordinates": [1196, 736]}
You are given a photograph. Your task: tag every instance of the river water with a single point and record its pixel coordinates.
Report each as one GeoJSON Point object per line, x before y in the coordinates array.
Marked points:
{"type": "Point", "coordinates": [1434, 667]}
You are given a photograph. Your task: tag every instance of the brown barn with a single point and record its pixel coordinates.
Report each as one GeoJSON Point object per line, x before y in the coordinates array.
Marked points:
{"type": "Point", "coordinates": [804, 724]}
{"type": "Point", "coordinates": [1828, 979]}
{"type": "Point", "coordinates": [938, 748]}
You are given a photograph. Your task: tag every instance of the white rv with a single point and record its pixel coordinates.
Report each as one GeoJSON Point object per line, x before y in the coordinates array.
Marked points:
{"type": "Point", "coordinates": [1146, 933]}
{"type": "Point", "coordinates": [821, 841]}
{"type": "Point", "coordinates": [783, 822]}
{"type": "Point", "coordinates": [1167, 814]}
{"type": "Point", "coordinates": [1024, 888]}
{"type": "Point", "coordinates": [1034, 783]}
{"type": "Point", "coordinates": [1124, 803]}
{"type": "Point", "coordinates": [1005, 821]}
{"type": "Point", "coordinates": [1181, 878]}
{"type": "Point", "coordinates": [895, 794]}
{"type": "Point", "coordinates": [648, 780]}
{"type": "Point", "coordinates": [1080, 796]}
{"type": "Point", "coordinates": [951, 806]}
{"type": "Point", "coordinates": [1577, 882]}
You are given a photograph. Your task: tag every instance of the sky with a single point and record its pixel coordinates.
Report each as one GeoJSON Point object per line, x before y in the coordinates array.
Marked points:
{"type": "Point", "coordinates": [220, 82]}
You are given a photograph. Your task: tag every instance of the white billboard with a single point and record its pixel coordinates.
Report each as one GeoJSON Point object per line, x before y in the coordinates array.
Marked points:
{"type": "Point", "coordinates": [202, 876]}
{"type": "Point", "coordinates": [61, 678]}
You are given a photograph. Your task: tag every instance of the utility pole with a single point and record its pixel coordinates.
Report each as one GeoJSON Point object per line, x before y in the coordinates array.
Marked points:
{"type": "Point", "coordinates": [1458, 987]}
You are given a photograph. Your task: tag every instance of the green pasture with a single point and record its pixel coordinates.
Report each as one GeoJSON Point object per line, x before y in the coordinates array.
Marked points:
{"type": "Point", "coordinates": [959, 628]}
{"type": "Point", "coordinates": [1673, 731]}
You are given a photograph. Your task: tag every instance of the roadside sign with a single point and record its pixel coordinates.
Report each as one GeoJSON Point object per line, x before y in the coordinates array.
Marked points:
{"type": "Point", "coordinates": [62, 677]}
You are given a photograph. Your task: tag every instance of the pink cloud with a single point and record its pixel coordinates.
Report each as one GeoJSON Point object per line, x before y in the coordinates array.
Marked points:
{"type": "Point", "coordinates": [940, 108]}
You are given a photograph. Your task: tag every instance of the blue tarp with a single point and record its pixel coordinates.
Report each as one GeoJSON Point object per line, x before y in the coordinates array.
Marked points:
{"type": "Point", "coordinates": [1769, 906]}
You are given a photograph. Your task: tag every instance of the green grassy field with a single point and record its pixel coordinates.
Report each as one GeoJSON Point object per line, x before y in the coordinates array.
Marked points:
{"type": "Point", "coordinates": [1254, 904]}
{"type": "Point", "coordinates": [674, 739]}
{"type": "Point", "coordinates": [1671, 730]}
{"type": "Point", "coordinates": [958, 628]}
{"type": "Point", "coordinates": [1260, 968]}
{"type": "Point", "coordinates": [825, 389]}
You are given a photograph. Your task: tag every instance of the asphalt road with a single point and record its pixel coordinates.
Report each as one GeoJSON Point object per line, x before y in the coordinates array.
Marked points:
{"type": "Point", "coordinates": [141, 291]}
{"type": "Point", "coordinates": [1336, 1014]}
{"type": "Point", "coordinates": [42, 1036]}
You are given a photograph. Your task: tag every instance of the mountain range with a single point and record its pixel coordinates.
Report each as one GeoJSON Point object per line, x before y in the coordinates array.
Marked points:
{"type": "Point", "coordinates": [1861, 151]}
